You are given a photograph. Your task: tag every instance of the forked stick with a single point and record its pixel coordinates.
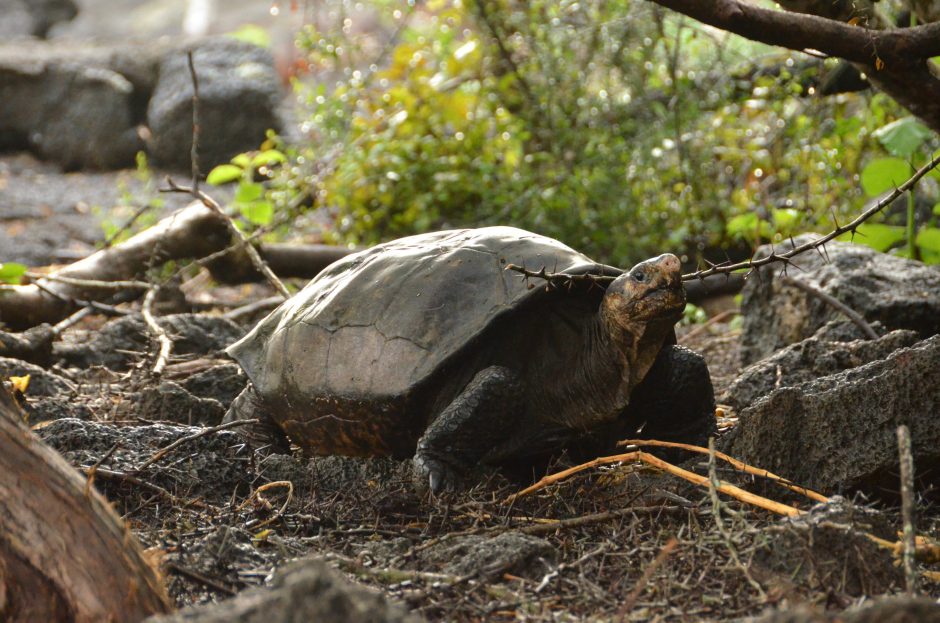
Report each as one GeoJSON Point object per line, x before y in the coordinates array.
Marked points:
{"type": "Point", "coordinates": [639, 455]}
{"type": "Point", "coordinates": [744, 467]}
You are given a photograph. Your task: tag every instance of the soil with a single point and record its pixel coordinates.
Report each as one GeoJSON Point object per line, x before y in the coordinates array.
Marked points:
{"type": "Point", "coordinates": [621, 542]}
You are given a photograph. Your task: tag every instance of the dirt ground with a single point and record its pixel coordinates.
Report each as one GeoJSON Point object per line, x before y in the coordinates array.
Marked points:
{"type": "Point", "coordinates": [622, 542]}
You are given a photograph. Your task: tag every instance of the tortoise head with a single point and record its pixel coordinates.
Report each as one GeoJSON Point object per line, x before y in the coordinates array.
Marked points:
{"type": "Point", "coordinates": [650, 292]}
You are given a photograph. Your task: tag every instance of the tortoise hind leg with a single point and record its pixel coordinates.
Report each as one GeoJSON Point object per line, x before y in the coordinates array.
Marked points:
{"type": "Point", "coordinates": [676, 399]}
{"type": "Point", "coordinates": [476, 421]}
{"type": "Point", "coordinates": [263, 433]}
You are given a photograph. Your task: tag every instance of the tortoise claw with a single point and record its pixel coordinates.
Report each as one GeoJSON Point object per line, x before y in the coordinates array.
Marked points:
{"type": "Point", "coordinates": [439, 476]}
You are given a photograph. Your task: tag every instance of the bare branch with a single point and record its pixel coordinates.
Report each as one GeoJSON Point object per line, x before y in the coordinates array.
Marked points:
{"type": "Point", "coordinates": [797, 31]}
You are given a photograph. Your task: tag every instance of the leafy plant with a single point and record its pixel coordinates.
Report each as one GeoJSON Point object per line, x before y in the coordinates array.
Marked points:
{"type": "Point", "coordinates": [12, 272]}
{"type": "Point", "coordinates": [250, 195]}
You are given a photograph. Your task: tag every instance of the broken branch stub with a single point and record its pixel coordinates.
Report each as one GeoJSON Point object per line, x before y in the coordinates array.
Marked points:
{"type": "Point", "coordinates": [64, 553]}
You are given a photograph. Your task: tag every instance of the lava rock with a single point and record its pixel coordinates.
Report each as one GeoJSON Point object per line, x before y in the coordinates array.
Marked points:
{"type": "Point", "coordinates": [810, 359]}
{"type": "Point", "coordinates": [33, 18]}
{"type": "Point", "coordinates": [222, 383]}
{"type": "Point", "coordinates": [41, 382]}
{"type": "Point", "coordinates": [305, 590]}
{"type": "Point", "coordinates": [168, 401]}
{"type": "Point", "coordinates": [122, 342]}
{"type": "Point", "coordinates": [76, 114]}
{"type": "Point", "coordinates": [491, 556]}
{"type": "Point", "coordinates": [899, 293]}
{"type": "Point", "coordinates": [239, 95]}
{"type": "Point", "coordinates": [817, 553]}
{"type": "Point", "coordinates": [900, 609]}
{"type": "Point", "coordinates": [210, 466]}
{"type": "Point", "coordinates": [839, 432]}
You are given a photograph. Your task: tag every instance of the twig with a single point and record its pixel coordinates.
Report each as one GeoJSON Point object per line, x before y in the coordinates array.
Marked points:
{"type": "Point", "coordinates": [907, 508]}
{"type": "Point", "coordinates": [159, 454]}
{"type": "Point", "coordinates": [194, 150]}
{"type": "Point", "coordinates": [631, 599]}
{"type": "Point", "coordinates": [91, 283]}
{"type": "Point", "coordinates": [166, 344]}
{"type": "Point", "coordinates": [562, 279]}
{"type": "Point", "coordinates": [744, 467]}
{"type": "Point", "coordinates": [713, 485]}
{"type": "Point", "coordinates": [252, 252]}
{"type": "Point", "coordinates": [638, 455]}
{"type": "Point", "coordinates": [202, 579]}
{"type": "Point", "coordinates": [257, 493]}
{"type": "Point", "coordinates": [249, 309]}
{"type": "Point", "coordinates": [850, 313]}
{"type": "Point", "coordinates": [710, 322]}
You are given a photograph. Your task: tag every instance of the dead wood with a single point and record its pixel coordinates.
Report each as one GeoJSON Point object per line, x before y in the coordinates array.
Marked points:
{"type": "Point", "coordinates": [64, 554]}
{"type": "Point", "coordinates": [192, 233]}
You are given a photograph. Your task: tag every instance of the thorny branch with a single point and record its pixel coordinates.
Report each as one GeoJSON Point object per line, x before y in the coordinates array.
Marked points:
{"type": "Point", "coordinates": [559, 280]}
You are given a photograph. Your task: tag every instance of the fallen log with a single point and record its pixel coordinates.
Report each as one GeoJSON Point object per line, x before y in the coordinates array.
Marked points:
{"type": "Point", "coordinates": [65, 555]}
{"type": "Point", "coordinates": [192, 233]}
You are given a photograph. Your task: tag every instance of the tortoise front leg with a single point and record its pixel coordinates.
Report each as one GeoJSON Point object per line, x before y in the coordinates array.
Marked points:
{"type": "Point", "coordinates": [476, 421]}
{"type": "Point", "coordinates": [675, 400]}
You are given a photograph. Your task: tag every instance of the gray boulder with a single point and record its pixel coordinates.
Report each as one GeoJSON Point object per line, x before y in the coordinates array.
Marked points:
{"type": "Point", "coordinates": [239, 96]}
{"type": "Point", "coordinates": [306, 590]}
{"type": "Point", "coordinates": [839, 432]}
{"type": "Point", "coordinates": [813, 358]}
{"type": "Point", "coordinates": [828, 550]}
{"type": "Point", "coordinates": [79, 114]}
{"type": "Point", "coordinates": [899, 293]}
{"type": "Point", "coordinates": [33, 18]}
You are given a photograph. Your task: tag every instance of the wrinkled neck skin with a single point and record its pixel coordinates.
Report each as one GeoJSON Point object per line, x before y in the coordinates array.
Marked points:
{"type": "Point", "coordinates": [616, 356]}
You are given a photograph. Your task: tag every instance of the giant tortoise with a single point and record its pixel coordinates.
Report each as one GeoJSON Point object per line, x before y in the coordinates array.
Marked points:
{"type": "Point", "coordinates": [427, 347]}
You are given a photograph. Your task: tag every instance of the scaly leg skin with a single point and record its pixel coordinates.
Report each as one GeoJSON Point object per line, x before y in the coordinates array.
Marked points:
{"type": "Point", "coordinates": [675, 400]}
{"type": "Point", "coordinates": [264, 433]}
{"type": "Point", "coordinates": [476, 421]}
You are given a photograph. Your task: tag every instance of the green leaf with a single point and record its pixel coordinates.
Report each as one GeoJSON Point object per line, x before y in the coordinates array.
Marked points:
{"type": "Point", "coordinates": [877, 236]}
{"type": "Point", "coordinates": [223, 174]}
{"type": "Point", "coordinates": [258, 212]}
{"type": "Point", "coordinates": [884, 174]}
{"type": "Point", "coordinates": [250, 33]}
{"type": "Point", "coordinates": [903, 137]}
{"type": "Point", "coordinates": [786, 219]}
{"type": "Point", "coordinates": [242, 160]}
{"type": "Point", "coordinates": [269, 157]}
{"type": "Point", "coordinates": [928, 241]}
{"type": "Point", "coordinates": [11, 272]}
{"type": "Point", "coordinates": [742, 225]}
{"type": "Point", "coordinates": [936, 209]}
{"type": "Point", "coordinates": [248, 192]}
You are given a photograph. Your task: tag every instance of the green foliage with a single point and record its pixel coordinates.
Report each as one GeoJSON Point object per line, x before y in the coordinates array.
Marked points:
{"type": "Point", "coordinates": [619, 128]}
{"type": "Point", "coordinates": [11, 272]}
{"type": "Point", "coordinates": [139, 207]}
{"type": "Point", "coordinates": [254, 34]}
{"type": "Point", "coordinates": [251, 196]}
{"type": "Point", "coordinates": [884, 174]}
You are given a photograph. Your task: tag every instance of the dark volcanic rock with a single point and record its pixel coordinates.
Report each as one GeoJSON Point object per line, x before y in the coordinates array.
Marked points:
{"type": "Point", "coordinates": [900, 609]}
{"type": "Point", "coordinates": [810, 359]}
{"type": "Point", "coordinates": [305, 590]}
{"type": "Point", "coordinates": [211, 466]}
{"type": "Point", "coordinates": [222, 382]}
{"type": "Point", "coordinates": [839, 432]}
{"type": "Point", "coordinates": [168, 401]}
{"type": "Point", "coordinates": [41, 382]}
{"type": "Point", "coordinates": [77, 113]}
{"type": "Point", "coordinates": [33, 18]}
{"type": "Point", "coordinates": [827, 550]}
{"type": "Point", "coordinates": [899, 293]}
{"type": "Point", "coordinates": [121, 342]}
{"type": "Point", "coordinates": [490, 556]}
{"type": "Point", "coordinates": [239, 96]}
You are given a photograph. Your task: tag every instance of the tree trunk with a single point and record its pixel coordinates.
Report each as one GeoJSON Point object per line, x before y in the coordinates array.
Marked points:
{"type": "Point", "coordinates": [64, 554]}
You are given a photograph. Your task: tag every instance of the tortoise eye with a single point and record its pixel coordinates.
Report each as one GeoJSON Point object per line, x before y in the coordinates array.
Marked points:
{"type": "Point", "coordinates": [638, 276]}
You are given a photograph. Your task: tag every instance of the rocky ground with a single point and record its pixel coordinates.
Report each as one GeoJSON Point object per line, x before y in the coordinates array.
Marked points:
{"type": "Point", "coordinates": [622, 542]}
{"type": "Point", "coordinates": [803, 393]}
